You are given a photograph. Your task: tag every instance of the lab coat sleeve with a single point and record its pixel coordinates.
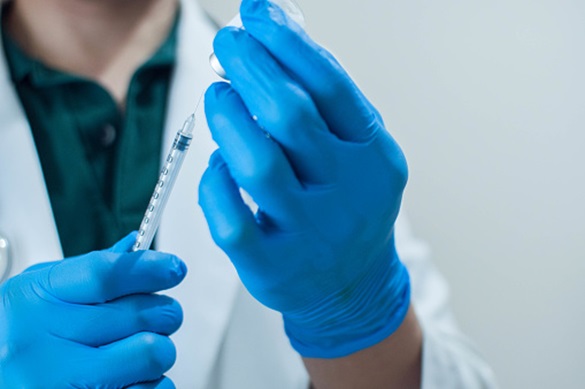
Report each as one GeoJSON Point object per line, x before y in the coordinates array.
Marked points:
{"type": "Point", "coordinates": [450, 360]}
{"type": "Point", "coordinates": [255, 352]}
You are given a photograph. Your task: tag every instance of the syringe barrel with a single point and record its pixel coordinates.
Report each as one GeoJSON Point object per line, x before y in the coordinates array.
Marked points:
{"type": "Point", "coordinates": [162, 191]}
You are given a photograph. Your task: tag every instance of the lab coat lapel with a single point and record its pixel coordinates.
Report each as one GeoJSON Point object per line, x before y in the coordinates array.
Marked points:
{"type": "Point", "coordinates": [208, 292]}
{"type": "Point", "coordinates": [26, 218]}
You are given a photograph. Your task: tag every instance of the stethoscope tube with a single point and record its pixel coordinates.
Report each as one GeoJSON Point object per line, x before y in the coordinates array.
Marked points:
{"type": "Point", "coordinates": [5, 257]}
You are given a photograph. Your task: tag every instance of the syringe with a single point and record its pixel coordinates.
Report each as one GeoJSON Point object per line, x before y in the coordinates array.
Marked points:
{"type": "Point", "coordinates": [164, 186]}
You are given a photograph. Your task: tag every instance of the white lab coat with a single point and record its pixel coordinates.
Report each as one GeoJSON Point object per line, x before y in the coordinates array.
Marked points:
{"type": "Point", "coordinates": [228, 340]}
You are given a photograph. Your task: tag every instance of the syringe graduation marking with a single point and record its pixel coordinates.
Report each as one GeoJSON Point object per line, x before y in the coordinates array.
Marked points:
{"type": "Point", "coordinates": [164, 185]}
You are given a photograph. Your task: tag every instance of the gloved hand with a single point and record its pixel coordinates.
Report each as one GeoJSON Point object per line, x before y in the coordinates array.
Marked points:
{"type": "Point", "coordinates": [91, 321]}
{"type": "Point", "coordinates": [297, 135]}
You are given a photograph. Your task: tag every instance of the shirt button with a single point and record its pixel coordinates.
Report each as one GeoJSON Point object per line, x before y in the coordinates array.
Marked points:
{"type": "Point", "coordinates": [107, 135]}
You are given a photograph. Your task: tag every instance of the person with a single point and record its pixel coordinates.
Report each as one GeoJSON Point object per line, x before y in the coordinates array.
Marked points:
{"type": "Point", "coordinates": [315, 290]}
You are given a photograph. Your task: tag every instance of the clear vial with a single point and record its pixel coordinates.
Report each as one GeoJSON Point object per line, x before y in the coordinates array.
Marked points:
{"type": "Point", "coordinates": [290, 7]}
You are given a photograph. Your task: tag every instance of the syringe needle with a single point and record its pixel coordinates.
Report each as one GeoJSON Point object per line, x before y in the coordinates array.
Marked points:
{"type": "Point", "coordinates": [190, 122]}
{"type": "Point", "coordinates": [199, 102]}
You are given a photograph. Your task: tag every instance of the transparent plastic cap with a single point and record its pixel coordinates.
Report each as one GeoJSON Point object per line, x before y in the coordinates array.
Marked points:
{"type": "Point", "coordinates": [290, 7]}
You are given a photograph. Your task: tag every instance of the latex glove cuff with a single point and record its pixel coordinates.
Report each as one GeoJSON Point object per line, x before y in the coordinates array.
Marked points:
{"type": "Point", "coordinates": [356, 318]}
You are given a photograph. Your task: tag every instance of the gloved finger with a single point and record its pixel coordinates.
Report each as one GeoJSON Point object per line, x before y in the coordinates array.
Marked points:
{"type": "Point", "coordinates": [142, 357]}
{"type": "Point", "coordinates": [38, 267]}
{"type": "Point", "coordinates": [255, 161]}
{"type": "Point", "coordinates": [100, 324]}
{"type": "Point", "coordinates": [282, 107]}
{"type": "Point", "coordinates": [125, 244]}
{"type": "Point", "coordinates": [122, 246]}
{"type": "Point", "coordinates": [103, 275]}
{"type": "Point", "coordinates": [162, 383]}
{"type": "Point", "coordinates": [231, 223]}
{"type": "Point", "coordinates": [340, 102]}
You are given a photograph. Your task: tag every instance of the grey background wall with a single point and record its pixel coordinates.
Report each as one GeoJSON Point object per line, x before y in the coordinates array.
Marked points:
{"type": "Point", "coordinates": [488, 100]}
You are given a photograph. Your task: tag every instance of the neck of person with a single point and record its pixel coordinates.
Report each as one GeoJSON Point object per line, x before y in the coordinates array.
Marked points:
{"type": "Point", "coordinates": [103, 40]}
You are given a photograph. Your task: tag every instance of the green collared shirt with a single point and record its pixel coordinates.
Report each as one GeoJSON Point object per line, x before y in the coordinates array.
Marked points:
{"type": "Point", "coordinates": [100, 163]}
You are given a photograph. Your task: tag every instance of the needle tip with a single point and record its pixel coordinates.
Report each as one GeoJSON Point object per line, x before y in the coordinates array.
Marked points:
{"type": "Point", "coordinates": [190, 122]}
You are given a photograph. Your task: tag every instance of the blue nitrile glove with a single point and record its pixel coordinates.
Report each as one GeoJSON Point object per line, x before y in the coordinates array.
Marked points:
{"type": "Point", "coordinates": [91, 321]}
{"type": "Point", "coordinates": [296, 134]}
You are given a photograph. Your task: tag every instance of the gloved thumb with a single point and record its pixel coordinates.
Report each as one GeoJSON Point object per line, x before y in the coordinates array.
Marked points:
{"type": "Point", "coordinates": [125, 244]}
